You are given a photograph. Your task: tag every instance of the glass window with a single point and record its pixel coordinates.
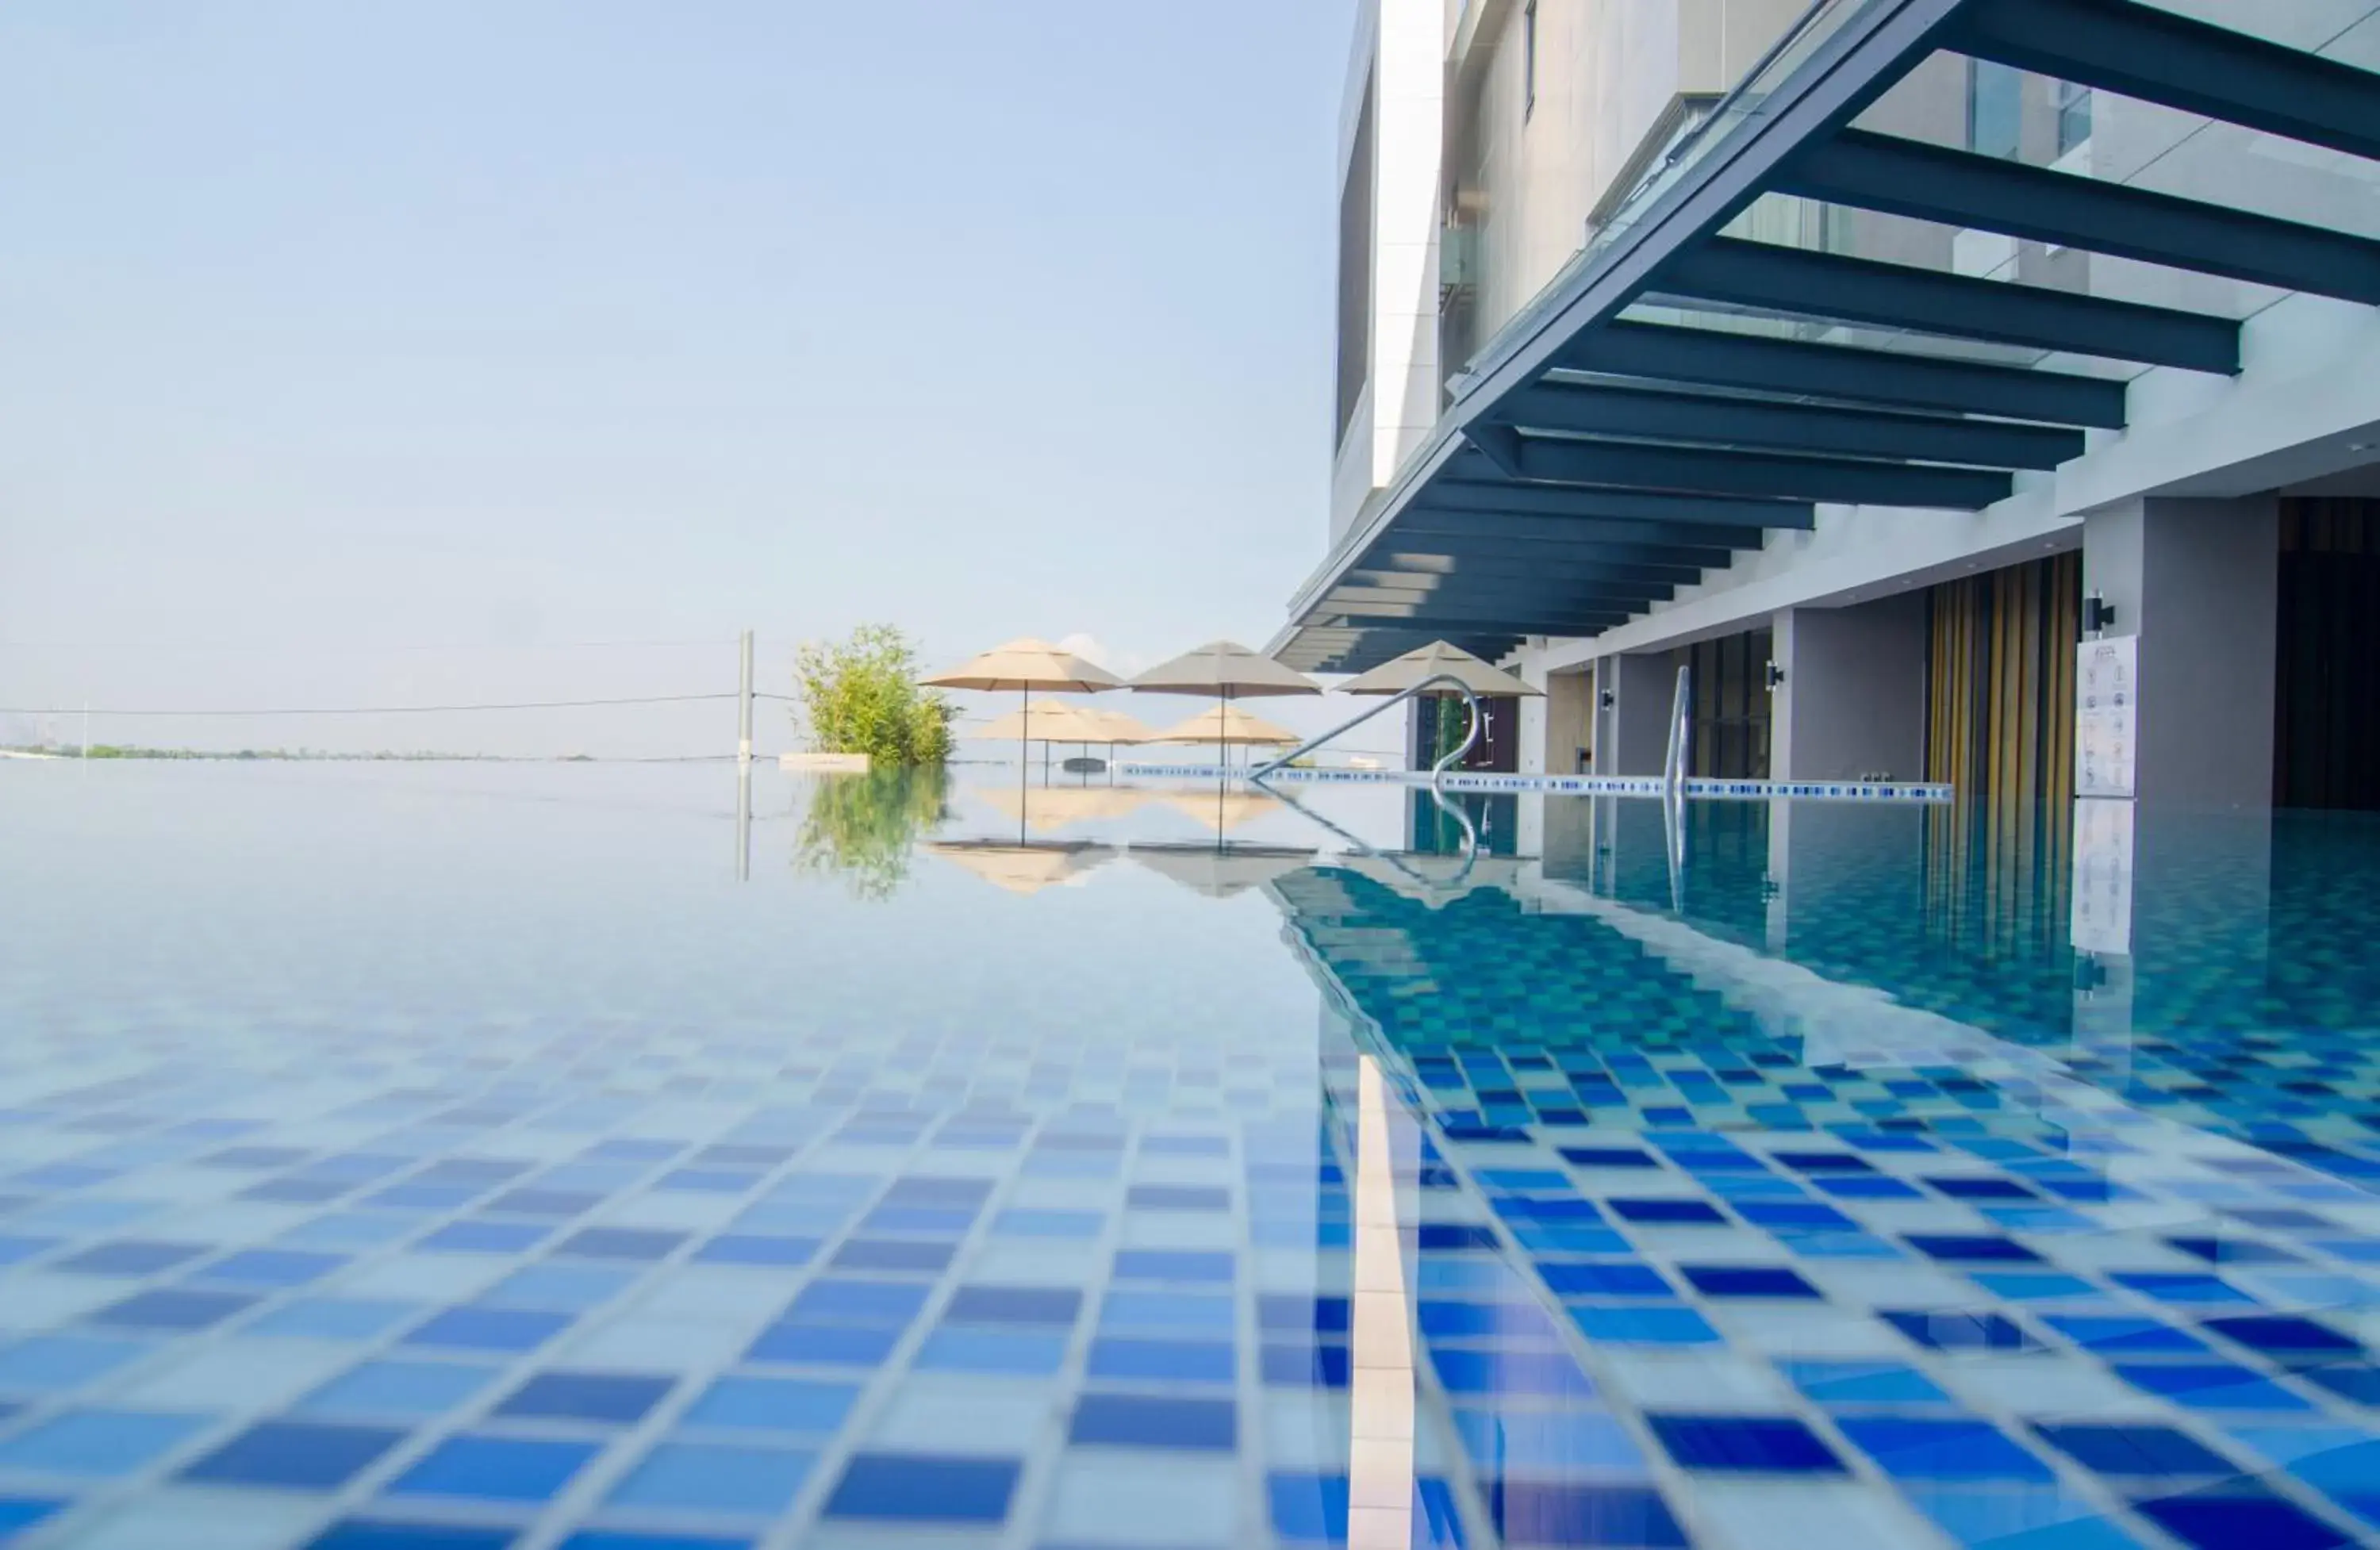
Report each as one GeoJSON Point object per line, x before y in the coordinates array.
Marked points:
{"type": "Point", "coordinates": [1995, 108]}
{"type": "Point", "coordinates": [2073, 114]}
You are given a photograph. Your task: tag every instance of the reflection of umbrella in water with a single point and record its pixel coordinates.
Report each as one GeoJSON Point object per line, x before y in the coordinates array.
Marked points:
{"type": "Point", "coordinates": [1048, 807]}
{"type": "Point", "coordinates": [1224, 810]}
{"type": "Point", "coordinates": [1025, 869]}
{"type": "Point", "coordinates": [1218, 872]}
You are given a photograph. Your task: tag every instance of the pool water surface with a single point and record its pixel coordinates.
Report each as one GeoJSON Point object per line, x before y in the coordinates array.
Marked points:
{"type": "Point", "coordinates": [478, 1156]}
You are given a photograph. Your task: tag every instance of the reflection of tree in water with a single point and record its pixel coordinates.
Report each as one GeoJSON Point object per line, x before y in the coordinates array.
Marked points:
{"type": "Point", "coordinates": [863, 828]}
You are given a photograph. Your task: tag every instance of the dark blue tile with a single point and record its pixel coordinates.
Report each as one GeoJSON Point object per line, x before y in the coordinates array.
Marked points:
{"type": "Point", "coordinates": [601, 1539]}
{"type": "Point", "coordinates": [1138, 1421]}
{"type": "Point", "coordinates": [995, 1304]}
{"type": "Point", "coordinates": [1173, 1264]}
{"type": "Point", "coordinates": [1776, 1444]}
{"type": "Point", "coordinates": [1971, 1248]}
{"type": "Point", "coordinates": [2217, 1386]}
{"type": "Point", "coordinates": [495, 1469]}
{"type": "Point", "coordinates": [2225, 1518]}
{"type": "Point", "coordinates": [1608, 1156]}
{"type": "Point", "coordinates": [741, 1248]}
{"type": "Point", "coordinates": [1454, 1237]}
{"type": "Point", "coordinates": [295, 1455]}
{"type": "Point", "coordinates": [824, 1345]}
{"type": "Point", "coordinates": [920, 1190]}
{"type": "Point", "coordinates": [476, 1328]}
{"type": "Point", "coordinates": [611, 1398]}
{"type": "Point", "coordinates": [174, 1310]}
{"type": "Point", "coordinates": [371, 1534]}
{"type": "Point", "coordinates": [1824, 1162]}
{"type": "Point", "coordinates": [131, 1256]}
{"type": "Point", "coordinates": [1669, 1212]}
{"type": "Point", "coordinates": [1962, 1331]}
{"type": "Point", "coordinates": [1545, 1513]}
{"type": "Point", "coordinates": [620, 1242]}
{"type": "Point", "coordinates": [1604, 1280]}
{"type": "Point", "coordinates": [928, 1221]}
{"type": "Point", "coordinates": [2284, 1337]}
{"type": "Point", "coordinates": [1746, 1280]}
{"type": "Point", "coordinates": [1865, 1186]}
{"type": "Point", "coordinates": [2357, 1381]}
{"type": "Point", "coordinates": [858, 1301]}
{"type": "Point", "coordinates": [295, 1191]}
{"type": "Point", "coordinates": [917, 1488]}
{"type": "Point", "coordinates": [1162, 1361]}
{"type": "Point", "coordinates": [2134, 1448]}
{"type": "Point", "coordinates": [1910, 1449]}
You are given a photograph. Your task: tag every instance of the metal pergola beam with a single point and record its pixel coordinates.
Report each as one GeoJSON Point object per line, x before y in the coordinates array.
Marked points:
{"type": "Point", "coordinates": [1585, 584]}
{"type": "Point", "coordinates": [1711, 358]}
{"type": "Point", "coordinates": [1512, 629]}
{"type": "Point", "coordinates": [1474, 484]}
{"type": "Point", "coordinates": [1713, 420]}
{"type": "Point", "coordinates": [1428, 518]}
{"type": "Point", "coordinates": [1898, 177]}
{"type": "Point", "coordinates": [2150, 52]}
{"type": "Point", "coordinates": [1555, 534]}
{"type": "Point", "coordinates": [1738, 473]}
{"type": "Point", "coordinates": [1448, 559]}
{"type": "Point", "coordinates": [1732, 271]}
{"type": "Point", "coordinates": [1481, 600]}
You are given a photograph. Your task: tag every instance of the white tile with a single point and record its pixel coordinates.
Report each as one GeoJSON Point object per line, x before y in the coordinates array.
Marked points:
{"type": "Point", "coordinates": [426, 1278]}
{"type": "Point", "coordinates": [39, 1299]}
{"type": "Point", "coordinates": [738, 1296]}
{"type": "Point", "coordinates": [239, 1221]}
{"type": "Point", "coordinates": [1837, 1514]}
{"type": "Point", "coordinates": [1041, 1261]}
{"type": "Point", "coordinates": [1180, 1229]}
{"type": "Point", "coordinates": [240, 1373]}
{"type": "Point", "coordinates": [661, 1345]}
{"type": "Point", "coordinates": [187, 1519]}
{"type": "Point", "coordinates": [1108, 1496]}
{"type": "Point", "coordinates": [1708, 1380]}
{"type": "Point", "coordinates": [1307, 1431]}
{"type": "Point", "coordinates": [944, 1415]}
{"type": "Point", "coordinates": [2043, 1387]}
{"type": "Point", "coordinates": [685, 1210]}
{"type": "Point", "coordinates": [1069, 1195]}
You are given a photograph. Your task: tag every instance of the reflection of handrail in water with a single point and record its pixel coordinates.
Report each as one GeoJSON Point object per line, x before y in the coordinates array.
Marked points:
{"type": "Point", "coordinates": [1462, 819]}
{"type": "Point", "coordinates": [1437, 772]}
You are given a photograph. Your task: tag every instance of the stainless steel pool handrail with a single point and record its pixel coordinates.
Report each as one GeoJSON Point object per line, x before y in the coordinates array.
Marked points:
{"type": "Point", "coordinates": [1438, 770]}
{"type": "Point", "coordinates": [1356, 843]}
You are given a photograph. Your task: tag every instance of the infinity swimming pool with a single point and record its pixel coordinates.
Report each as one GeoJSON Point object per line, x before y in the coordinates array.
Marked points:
{"type": "Point", "coordinates": [490, 1157]}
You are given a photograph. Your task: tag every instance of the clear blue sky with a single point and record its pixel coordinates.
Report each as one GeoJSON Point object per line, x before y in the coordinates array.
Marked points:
{"type": "Point", "coordinates": [332, 328]}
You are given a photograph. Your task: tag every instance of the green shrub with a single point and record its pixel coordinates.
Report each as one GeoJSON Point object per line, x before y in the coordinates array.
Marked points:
{"type": "Point", "coordinates": [861, 696]}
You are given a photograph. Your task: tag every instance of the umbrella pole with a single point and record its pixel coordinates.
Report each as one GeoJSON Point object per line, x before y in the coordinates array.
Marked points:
{"type": "Point", "coordinates": [1024, 763]}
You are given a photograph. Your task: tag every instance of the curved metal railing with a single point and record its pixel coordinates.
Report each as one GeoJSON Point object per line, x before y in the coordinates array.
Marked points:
{"type": "Point", "coordinates": [1438, 770]}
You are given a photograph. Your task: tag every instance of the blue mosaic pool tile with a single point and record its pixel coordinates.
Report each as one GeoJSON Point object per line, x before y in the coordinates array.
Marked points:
{"type": "Point", "coordinates": [1137, 1420]}
{"type": "Point", "coordinates": [295, 1455]}
{"type": "Point", "coordinates": [611, 1398]}
{"type": "Point", "coordinates": [380, 1533]}
{"type": "Point", "coordinates": [714, 1478]}
{"type": "Point", "coordinates": [100, 1443]}
{"type": "Point", "coordinates": [495, 1469]}
{"type": "Point", "coordinates": [490, 1329]}
{"type": "Point", "coordinates": [894, 1487]}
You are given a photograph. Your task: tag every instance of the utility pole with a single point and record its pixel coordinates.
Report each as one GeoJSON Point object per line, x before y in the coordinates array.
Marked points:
{"type": "Point", "coordinates": [744, 703]}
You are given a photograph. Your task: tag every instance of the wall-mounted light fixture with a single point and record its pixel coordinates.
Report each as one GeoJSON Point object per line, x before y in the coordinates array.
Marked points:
{"type": "Point", "coordinates": [1773, 675]}
{"type": "Point", "coordinates": [1607, 699]}
{"type": "Point", "coordinates": [2098, 613]}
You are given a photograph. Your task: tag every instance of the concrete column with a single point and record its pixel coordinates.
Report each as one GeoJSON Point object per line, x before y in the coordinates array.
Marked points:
{"type": "Point", "coordinates": [1853, 698]}
{"type": "Point", "coordinates": [2198, 582]}
{"type": "Point", "coordinates": [1633, 734]}
{"type": "Point", "coordinates": [1567, 728]}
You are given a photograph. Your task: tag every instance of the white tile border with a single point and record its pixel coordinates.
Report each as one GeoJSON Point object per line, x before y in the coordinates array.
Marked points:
{"type": "Point", "coordinates": [1572, 785]}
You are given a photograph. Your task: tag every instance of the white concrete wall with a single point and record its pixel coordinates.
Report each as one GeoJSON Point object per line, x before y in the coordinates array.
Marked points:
{"type": "Point", "coordinates": [1852, 702]}
{"type": "Point", "coordinates": [2197, 582]}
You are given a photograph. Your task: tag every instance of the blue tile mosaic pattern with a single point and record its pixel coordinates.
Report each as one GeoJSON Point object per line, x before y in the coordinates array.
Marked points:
{"type": "Point", "coordinates": [468, 1240]}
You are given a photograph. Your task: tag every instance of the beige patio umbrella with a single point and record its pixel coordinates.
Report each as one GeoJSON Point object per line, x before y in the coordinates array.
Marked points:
{"type": "Point", "coordinates": [1026, 665]}
{"type": "Point", "coordinates": [1224, 670]}
{"type": "Point", "coordinates": [1229, 726]}
{"type": "Point", "coordinates": [1221, 873]}
{"type": "Point", "coordinates": [1229, 810]}
{"type": "Point", "coordinates": [1052, 720]}
{"type": "Point", "coordinates": [1400, 673]}
{"type": "Point", "coordinates": [1023, 869]}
